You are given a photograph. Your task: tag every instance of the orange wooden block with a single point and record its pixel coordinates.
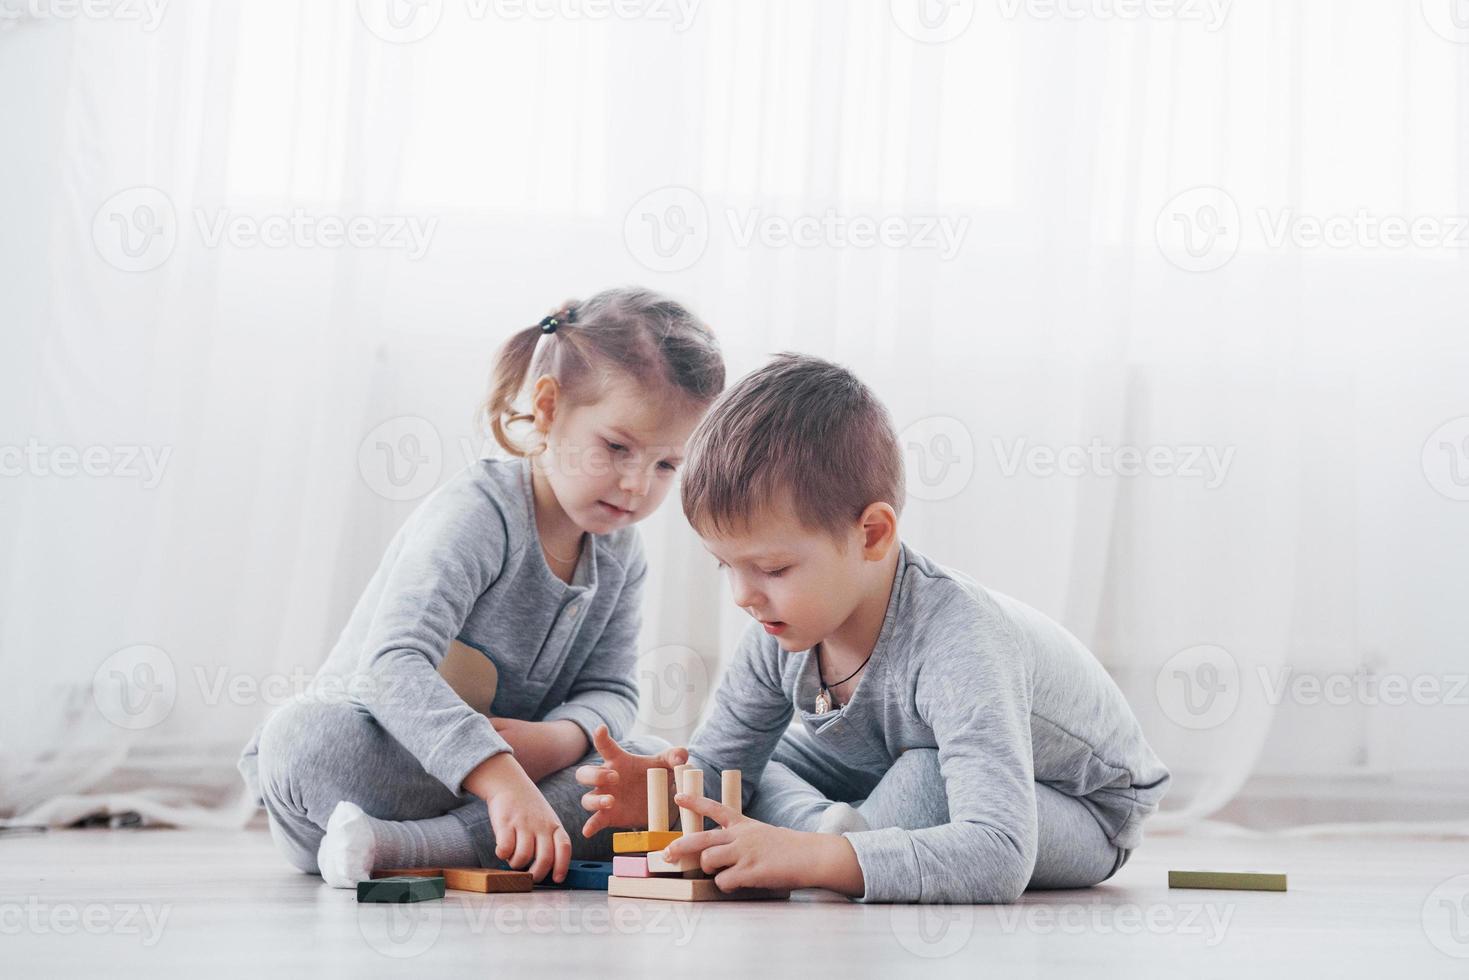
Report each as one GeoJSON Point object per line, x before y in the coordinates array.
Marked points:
{"type": "Point", "coordinates": [488, 880]}
{"type": "Point", "coordinates": [685, 890]}
{"type": "Point", "coordinates": [642, 841]}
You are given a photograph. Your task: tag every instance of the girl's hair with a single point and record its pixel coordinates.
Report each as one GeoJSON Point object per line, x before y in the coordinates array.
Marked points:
{"type": "Point", "coordinates": [636, 332]}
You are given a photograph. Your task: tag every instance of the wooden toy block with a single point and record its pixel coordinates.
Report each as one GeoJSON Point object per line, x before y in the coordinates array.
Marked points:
{"type": "Point", "coordinates": [1249, 881]}
{"type": "Point", "coordinates": [630, 866]}
{"type": "Point", "coordinates": [400, 888]}
{"type": "Point", "coordinates": [678, 772]}
{"type": "Point", "coordinates": [412, 872]}
{"type": "Point", "coordinates": [643, 841]}
{"type": "Point", "coordinates": [488, 881]}
{"type": "Point", "coordinates": [685, 890]}
{"type": "Point", "coordinates": [582, 876]}
{"type": "Point", "coordinates": [729, 790]}
{"type": "Point", "coordinates": [658, 799]}
{"type": "Point", "coordinates": [657, 865]}
{"type": "Point", "coordinates": [693, 785]}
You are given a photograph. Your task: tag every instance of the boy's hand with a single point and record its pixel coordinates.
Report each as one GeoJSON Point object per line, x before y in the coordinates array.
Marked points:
{"type": "Point", "coordinates": [619, 794]}
{"type": "Point", "coordinates": [527, 831]}
{"type": "Point", "coordinates": [542, 747]}
{"type": "Point", "coordinates": [745, 853]}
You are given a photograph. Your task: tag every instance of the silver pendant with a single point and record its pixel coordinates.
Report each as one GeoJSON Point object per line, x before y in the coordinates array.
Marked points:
{"type": "Point", "coordinates": [823, 702]}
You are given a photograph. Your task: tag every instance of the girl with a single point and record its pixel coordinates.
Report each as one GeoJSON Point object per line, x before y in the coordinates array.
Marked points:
{"type": "Point", "coordinates": [531, 564]}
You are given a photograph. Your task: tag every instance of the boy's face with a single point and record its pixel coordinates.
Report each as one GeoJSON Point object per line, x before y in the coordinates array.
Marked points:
{"type": "Point", "coordinates": [800, 583]}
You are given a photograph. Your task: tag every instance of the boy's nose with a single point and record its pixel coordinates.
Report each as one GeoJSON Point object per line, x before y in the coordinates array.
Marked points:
{"type": "Point", "coordinates": [636, 482]}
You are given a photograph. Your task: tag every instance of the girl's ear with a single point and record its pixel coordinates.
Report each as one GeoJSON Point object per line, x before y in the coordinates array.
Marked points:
{"type": "Point", "coordinates": [544, 397]}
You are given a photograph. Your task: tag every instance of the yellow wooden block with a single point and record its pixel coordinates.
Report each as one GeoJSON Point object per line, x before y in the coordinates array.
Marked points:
{"type": "Point", "coordinates": [642, 841]}
{"type": "Point", "coordinates": [1248, 881]}
{"type": "Point", "coordinates": [684, 890]}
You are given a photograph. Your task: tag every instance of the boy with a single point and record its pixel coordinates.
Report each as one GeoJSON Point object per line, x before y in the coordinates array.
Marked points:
{"type": "Point", "coordinates": [955, 745]}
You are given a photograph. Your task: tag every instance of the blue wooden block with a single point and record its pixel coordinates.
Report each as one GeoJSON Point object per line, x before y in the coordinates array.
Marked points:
{"type": "Point", "coordinates": [584, 876]}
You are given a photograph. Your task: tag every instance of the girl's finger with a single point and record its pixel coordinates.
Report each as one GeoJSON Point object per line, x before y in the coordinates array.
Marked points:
{"type": "Point", "coordinates": [504, 842]}
{"type": "Point", "coordinates": [545, 857]}
{"type": "Point", "coordinates": [525, 849]}
{"type": "Point", "coordinates": [730, 879]}
{"type": "Point", "coordinates": [594, 823]}
{"type": "Point", "coordinates": [606, 745]}
{"type": "Point", "coordinates": [561, 840]}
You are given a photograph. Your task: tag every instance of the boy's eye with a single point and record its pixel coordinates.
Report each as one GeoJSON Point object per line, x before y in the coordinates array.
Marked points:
{"type": "Point", "coordinates": [668, 466]}
{"type": "Point", "coordinates": [616, 447]}
{"type": "Point", "coordinates": [778, 572]}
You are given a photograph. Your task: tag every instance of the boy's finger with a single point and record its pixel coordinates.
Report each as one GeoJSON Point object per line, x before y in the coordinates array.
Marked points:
{"type": "Point", "coordinates": [676, 756]}
{"type": "Point", "coordinates": [594, 823]}
{"type": "Point", "coordinates": [596, 776]}
{"type": "Point", "coordinates": [691, 844]}
{"type": "Point", "coordinates": [606, 745]}
{"type": "Point", "coordinates": [504, 842]}
{"type": "Point", "coordinates": [561, 840]}
{"type": "Point", "coordinates": [596, 802]}
{"type": "Point", "coordinates": [719, 856]}
{"type": "Point", "coordinates": [705, 807]}
{"type": "Point", "coordinates": [729, 879]}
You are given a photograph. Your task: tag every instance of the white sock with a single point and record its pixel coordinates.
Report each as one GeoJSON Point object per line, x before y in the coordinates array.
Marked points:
{"type": "Point", "coordinates": [355, 844]}
{"type": "Point", "coordinates": [839, 818]}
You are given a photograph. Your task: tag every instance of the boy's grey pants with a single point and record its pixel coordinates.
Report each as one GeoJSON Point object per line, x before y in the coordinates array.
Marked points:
{"type": "Point", "coordinates": [1072, 850]}
{"type": "Point", "coordinates": [313, 754]}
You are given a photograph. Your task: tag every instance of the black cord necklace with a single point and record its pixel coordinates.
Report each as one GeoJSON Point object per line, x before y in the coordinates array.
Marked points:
{"type": "Point", "coordinates": [824, 698]}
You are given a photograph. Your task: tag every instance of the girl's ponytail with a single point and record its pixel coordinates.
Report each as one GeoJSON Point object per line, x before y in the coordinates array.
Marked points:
{"type": "Point", "coordinates": [512, 364]}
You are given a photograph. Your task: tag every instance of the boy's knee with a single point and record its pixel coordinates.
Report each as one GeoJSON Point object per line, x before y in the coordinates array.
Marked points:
{"type": "Point", "coordinates": [917, 765]}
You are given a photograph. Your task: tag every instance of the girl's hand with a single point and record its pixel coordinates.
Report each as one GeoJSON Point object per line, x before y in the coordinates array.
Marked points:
{"type": "Point", "coordinates": [527, 831]}
{"type": "Point", "coordinates": [542, 747]}
{"type": "Point", "coordinates": [745, 853]}
{"type": "Point", "coordinates": [619, 795]}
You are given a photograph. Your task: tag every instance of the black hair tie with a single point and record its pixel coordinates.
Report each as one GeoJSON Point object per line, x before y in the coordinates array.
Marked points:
{"type": "Point", "coordinates": [550, 323]}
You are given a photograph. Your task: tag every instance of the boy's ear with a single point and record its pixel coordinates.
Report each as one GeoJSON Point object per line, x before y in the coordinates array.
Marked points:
{"type": "Point", "coordinates": [544, 396]}
{"type": "Point", "coordinates": [879, 523]}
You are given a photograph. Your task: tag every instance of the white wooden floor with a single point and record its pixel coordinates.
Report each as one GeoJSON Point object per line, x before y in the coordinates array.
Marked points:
{"type": "Point", "coordinates": [155, 903]}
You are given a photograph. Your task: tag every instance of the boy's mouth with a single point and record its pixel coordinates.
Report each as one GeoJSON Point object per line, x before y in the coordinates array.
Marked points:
{"type": "Point", "coordinates": [773, 626]}
{"type": "Point", "coordinates": [611, 510]}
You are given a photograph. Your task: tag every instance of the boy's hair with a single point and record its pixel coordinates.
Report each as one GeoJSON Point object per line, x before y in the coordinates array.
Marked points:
{"type": "Point", "coordinates": [799, 429]}
{"type": "Point", "coordinates": [635, 332]}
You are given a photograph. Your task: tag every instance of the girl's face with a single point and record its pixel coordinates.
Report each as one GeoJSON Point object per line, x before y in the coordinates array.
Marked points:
{"type": "Point", "coordinates": [611, 462]}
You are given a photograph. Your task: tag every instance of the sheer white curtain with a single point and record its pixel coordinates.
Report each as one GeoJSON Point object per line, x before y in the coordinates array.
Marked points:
{"type": "Point", "coordinates": [989, 229]}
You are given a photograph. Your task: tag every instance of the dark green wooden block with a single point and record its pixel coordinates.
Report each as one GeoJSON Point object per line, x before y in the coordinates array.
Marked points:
{"type": "Point", "coordinates": [401, 888]}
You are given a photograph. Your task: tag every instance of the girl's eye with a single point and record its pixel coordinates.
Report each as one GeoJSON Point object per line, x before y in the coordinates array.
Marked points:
{"type": "Point", "coordinates": [616, 447]}
{"type": "Point", "coordinates": [668, 466]}
{"type": "Point", "coordinates": [778, 572]}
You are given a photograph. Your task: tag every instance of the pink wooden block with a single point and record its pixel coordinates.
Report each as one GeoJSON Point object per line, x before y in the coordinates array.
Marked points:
{"type": "Point", "coordinates": [630, 866]}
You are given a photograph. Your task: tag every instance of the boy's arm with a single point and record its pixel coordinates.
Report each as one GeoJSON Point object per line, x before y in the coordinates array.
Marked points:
{"type": "Point", "coordinates": [605, 691]}
{"type": "Point", "coordinates": [977, 701]}
{"type": "Point", "coordinates": [751, 712]}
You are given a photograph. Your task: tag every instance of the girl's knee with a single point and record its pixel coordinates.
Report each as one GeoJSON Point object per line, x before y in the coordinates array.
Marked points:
{"type": "Point", "coordinates": [302, 737]}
